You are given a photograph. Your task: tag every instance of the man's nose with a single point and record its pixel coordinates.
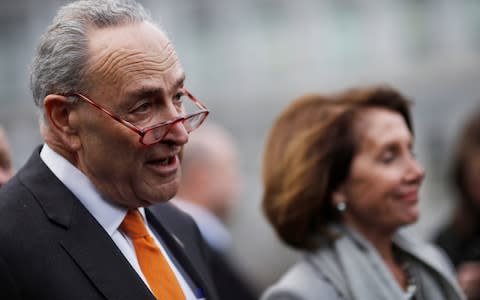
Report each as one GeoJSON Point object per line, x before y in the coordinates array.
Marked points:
{"type": "Point", "coordinates": [177, 134]}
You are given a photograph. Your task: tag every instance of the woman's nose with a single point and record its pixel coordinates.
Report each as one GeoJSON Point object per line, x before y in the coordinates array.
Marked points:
{"type": "Point", "coordinates": [415, 171]}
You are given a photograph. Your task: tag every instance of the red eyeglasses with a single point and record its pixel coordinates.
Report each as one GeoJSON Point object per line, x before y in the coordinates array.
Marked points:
{"type": "Point", "coordinates": [155, 133]}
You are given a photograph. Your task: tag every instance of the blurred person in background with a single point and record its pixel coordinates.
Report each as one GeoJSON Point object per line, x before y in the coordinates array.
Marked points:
{"type": "Point", "coordinates": [340, 181]}
{"type": "Point", "coordinates": [86, 217]}
{"type": "Point", "coordinates": [6, 169]}
{"type": "Point", "coordinates": [209, 189]}
{"type": "Point", "coordinates": [461, 237]}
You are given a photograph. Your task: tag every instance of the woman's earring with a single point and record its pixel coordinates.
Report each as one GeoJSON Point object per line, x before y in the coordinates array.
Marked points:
{"type": "Point", "coordinates": [341, 206]}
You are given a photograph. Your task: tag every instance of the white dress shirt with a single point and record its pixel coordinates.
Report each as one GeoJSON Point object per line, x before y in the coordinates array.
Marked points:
{"type": "Point", "coordinates": [107, 214]}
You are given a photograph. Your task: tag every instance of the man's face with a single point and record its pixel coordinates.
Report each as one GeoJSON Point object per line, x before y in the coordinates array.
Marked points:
{"type": "Point", "coordinates": [136, 74]}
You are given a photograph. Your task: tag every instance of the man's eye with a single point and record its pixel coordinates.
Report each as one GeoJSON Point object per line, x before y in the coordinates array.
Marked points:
{"type": "Point", "coordinates": [142, 108]}
{"type": "Point", "coordinates": [178, 98]}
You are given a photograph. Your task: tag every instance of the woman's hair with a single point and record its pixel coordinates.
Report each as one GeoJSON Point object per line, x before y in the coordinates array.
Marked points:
{"type": "Point", "coordinates": [308, 155]}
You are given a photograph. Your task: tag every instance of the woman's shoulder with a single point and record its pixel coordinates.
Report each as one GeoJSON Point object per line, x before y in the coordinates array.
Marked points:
{"type": "Point", "coordinates": [301, 282]}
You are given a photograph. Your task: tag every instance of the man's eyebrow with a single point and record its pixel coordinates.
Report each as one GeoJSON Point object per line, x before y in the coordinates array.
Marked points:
{"type": "Point", "coordinates": [146, 92]}
{"type": "Point", "coordinates": [179, 82]}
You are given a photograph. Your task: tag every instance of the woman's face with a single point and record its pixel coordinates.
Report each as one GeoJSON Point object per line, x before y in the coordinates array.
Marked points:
{"type": "Point", "coordinates": [381, 191]}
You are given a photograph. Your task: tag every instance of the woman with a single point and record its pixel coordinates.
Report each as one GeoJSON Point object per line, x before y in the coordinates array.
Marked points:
{"type": "Point", "coordinates": [461, 238]}
{"type": "Point", "coordinates": [340, 181]}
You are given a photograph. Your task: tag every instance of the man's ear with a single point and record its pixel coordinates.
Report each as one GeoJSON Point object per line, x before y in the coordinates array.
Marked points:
{"type": "Point", "coordinates": [62, 120]}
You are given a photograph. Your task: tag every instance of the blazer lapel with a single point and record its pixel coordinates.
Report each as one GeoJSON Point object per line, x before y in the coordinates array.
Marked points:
{"type": "Point", "coordinates": [97, 255]}
{"type": "Point", "coordinates": [160, 220]}
{"type": "Point", "coordinates": [429, 256]}
{"type": "Point", "coordinates": [84, 239]}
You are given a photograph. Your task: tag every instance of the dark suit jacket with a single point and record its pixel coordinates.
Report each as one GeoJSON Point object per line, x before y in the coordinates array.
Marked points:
{"type": "Point", "coordinates": [52, 248]}
{"type": "Point", "coordinates": [230, 282]}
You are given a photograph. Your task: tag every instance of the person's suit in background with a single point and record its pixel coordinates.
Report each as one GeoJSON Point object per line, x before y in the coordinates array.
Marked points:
{"type": "Point", "coordinates": [209, 188]}
{"type": "Point", "coordinates": [230, 281]}
{"type": "Point", "coordinates": [53, 248]}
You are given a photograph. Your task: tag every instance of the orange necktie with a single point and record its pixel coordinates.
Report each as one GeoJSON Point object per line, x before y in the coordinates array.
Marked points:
{"type": "Point", "coordinates": [155, 268]}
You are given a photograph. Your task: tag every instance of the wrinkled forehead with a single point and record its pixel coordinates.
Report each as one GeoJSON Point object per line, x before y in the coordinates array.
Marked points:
{"type": "Point", "coordinates": [132, 49]}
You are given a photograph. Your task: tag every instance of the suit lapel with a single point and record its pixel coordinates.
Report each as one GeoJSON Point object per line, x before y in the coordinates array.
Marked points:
{"type": "Point", "coordinates": [87, 243]}
{"type": "Point", "coordinates": [97, 255]}
{"type": "Point", "coordinates": [159, 218]}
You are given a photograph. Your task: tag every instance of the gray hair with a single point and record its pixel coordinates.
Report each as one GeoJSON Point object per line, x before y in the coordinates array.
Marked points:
{"type": "Point", "coordinates": [60, 63]}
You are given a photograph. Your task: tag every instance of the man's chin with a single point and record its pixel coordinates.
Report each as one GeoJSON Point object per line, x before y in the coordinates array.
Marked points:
{"type": "Point", "coordinates": [162, 194]}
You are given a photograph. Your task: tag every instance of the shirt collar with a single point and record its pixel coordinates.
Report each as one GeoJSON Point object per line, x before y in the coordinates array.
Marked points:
{"type": "Point", "coordinates": [109, 215]}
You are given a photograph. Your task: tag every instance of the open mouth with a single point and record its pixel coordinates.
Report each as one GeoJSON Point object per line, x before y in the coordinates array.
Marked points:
{"type": "Point", "coordinates": [409, 196]}
{"type": "Point", "coordinates": [166, 161]}
{"type": "Point", "coordinates": [164, 165]}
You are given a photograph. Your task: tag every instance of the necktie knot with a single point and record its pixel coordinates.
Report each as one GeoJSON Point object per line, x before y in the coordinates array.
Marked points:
{"type": "Point", "coordinates": [133, 225]}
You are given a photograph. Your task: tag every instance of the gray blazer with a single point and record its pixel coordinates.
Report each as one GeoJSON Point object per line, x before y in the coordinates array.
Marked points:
{"type": "Point", "coordinates": [302, 282]}
{"type": "Point", "coordinates": [350, 268]}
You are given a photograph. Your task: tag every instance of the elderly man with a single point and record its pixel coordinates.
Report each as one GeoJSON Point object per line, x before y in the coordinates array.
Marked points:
{"type": "Point", "coordinates": [73, 222]}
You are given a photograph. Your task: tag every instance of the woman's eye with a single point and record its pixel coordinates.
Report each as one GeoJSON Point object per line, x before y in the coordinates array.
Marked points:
{"type": "Point", "coordinates": [388, 156]}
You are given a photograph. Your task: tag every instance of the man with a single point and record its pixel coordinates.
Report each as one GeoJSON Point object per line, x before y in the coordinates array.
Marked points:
{"type": "Point", "coordinates": [208, 190]}
{"type": "Point", "coordinates": [73, 222]}
{"type": "Point", "coordinates": [6, 169]}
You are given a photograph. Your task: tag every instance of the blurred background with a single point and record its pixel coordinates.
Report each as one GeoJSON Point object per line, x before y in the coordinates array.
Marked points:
{"type": "Point", "coordinates": [248, 59]}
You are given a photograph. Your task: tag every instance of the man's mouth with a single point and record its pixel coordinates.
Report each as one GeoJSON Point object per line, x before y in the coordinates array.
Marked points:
{"type": "Point", "coordinates": [164, 166]}
{"type": "Point", "coordinates": [167, 161]}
